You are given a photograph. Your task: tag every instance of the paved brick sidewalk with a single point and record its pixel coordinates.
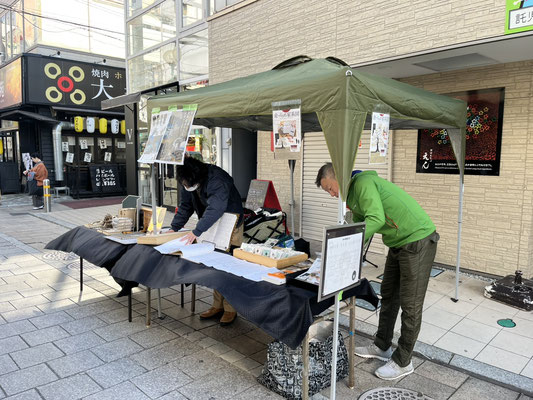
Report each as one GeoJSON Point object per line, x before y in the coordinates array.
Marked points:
{"type": "Point", "coordinates": [56, 343]}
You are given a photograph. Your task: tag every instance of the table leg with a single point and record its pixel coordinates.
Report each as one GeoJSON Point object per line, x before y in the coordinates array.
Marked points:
{"type": "Point", "coordinates": [148, 306]}
{"type": "Point", "coordinates": [305, 374]}
{"type": "Point", "coordinates": [182, 294]}
{"type": "Point", "coordinates": [130, 317]}
{"type": "Point", "coordinates": [81, 274]}
{"type": "Point", "coordinates": [351, 345]}
{"type": "Point", "coordinates": [193, 297]}
{"type": "Point", "coordinates": [159, 304]}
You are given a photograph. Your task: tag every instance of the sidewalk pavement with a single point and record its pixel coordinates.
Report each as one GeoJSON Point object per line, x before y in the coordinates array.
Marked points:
{"type": "Point", "coordinates": [58, 343]}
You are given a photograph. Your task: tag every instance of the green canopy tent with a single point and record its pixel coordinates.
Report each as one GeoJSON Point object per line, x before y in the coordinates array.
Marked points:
{"type": "Point", "coordinates": [335, 99]}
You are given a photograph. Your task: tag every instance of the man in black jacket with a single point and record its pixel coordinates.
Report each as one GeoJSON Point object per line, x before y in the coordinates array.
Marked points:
{"type": "Point", "coordinates": [210, 192]}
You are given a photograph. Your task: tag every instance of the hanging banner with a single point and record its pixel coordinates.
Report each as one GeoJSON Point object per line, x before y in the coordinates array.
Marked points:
{"type": "Point", "coordinates": [483, 138]}
{"type": "Point", "coordinates": [379, 138]}
{"type": "Point", "coordinates": [287, 125]}
{"type": "Point", "coordinates": [69, 157]}
{"type": "Point", "coordinates": [174, 143]}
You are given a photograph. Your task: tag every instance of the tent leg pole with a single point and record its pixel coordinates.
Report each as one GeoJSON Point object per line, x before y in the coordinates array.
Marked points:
{"type": "Point", "coordinates": [292, 164]}
{"type": "Point", "coordinates": [459, 227]}
{"type": "Point", "coordinates": [153, 184]}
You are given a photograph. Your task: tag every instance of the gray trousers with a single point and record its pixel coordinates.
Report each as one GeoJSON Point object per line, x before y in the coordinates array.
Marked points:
{"type": "Point", "coordinates": [405, 282]}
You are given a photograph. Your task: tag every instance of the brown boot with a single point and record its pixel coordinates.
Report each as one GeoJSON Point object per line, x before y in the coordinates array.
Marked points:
{"type": "Point", "coordinates": [212, 313]}
{"type": "Point", "coordinates": [228, 318]}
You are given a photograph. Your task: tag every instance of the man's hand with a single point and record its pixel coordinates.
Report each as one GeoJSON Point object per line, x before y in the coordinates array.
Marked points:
{"type": "Point", "coordinates": [188, 238]}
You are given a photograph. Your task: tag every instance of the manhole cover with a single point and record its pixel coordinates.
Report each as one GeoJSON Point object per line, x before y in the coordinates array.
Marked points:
{"type": "Point", "coordinates": [390, 393]}
{"type": "Point", "coordinates": [86, 265]}
{"type": "Point", "coordinates": [59, 256]}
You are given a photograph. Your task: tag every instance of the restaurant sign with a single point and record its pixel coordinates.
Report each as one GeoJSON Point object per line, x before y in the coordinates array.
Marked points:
{"type": "Point", "coordinates": [54, 81]}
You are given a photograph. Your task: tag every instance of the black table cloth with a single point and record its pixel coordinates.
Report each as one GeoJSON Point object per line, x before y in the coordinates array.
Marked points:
{"type": "Point", "coordinates": [283, 311]}
{"type": "Point", "coordinates": [89, 245]}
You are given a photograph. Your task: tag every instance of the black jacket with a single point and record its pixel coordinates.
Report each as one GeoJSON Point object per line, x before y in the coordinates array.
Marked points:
{"type": "Point", "coordinates": [214, 197]}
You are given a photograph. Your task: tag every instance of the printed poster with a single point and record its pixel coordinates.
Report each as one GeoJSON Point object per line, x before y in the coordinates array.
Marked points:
{"type": "Point", "coordinates": [379, 138]}
{"type": "Point", "coordinates": [174, 143]}
{"type": "Point", "coordinates": [69, 157]}
{"type": "Point", "coordinates": [83, 144]}
{"type": "Point", "coordinates": [64, 146]}
{"type": "Point", "coordinates": [107, 156]}
{"type": "Point", "coordinates": [484, 122]}
{"type": "Point", "coordinates": [159, 123]}
{"type": "Point", "coordinates": [287, 129]}
{"type": "Point", "coordinates": [102, 143]}
{"type": "Point", "coordinates": [87, 157]}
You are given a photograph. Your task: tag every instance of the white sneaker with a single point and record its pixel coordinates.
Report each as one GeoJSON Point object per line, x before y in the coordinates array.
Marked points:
{"type": "Point", "coordinates": [391, 371]}
{"type": "Point", "coordinates": [38, 208]}
{"type": "Point", "coordinates": [373, 351]}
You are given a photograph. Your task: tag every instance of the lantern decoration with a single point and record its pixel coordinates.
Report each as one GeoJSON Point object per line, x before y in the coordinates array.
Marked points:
{"type": "Point", "coordinates": [78, 124]}
{"type": "Point", "coordinates": [90, 122]}
{"type": "Point", "coordinates": [115, 126]}
{"type": "Point", "coordinates": [123, 126]}
{"type": "Point", "coordinates": [102, 125]}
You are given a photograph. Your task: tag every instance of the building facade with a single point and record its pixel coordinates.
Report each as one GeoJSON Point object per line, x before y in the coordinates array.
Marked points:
{"type": "Point", "coordinates": [461, 49]}
{"type": "Point", "coordinates": [59, 60]}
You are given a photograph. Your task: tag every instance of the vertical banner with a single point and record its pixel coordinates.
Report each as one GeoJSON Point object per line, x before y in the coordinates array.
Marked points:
{"type": "Point", "coordinates": [379, 138]}
{"type": "Point", "coordinates": [287, 128]}
{"type": "Point", "coordinates": [483, 138]}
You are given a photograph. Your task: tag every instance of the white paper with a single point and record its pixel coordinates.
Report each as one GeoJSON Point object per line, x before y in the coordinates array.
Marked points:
{"type": "Point", "coordinates": [220, 232]}
{"type": "Point", "coordinates": [124, 239]}
{"type": "Point", "coordinates": [87, 157]}
{"type": "Point", "coordinates": [83, 144]}
{"type": "Point", "coordinates": [121, 144]}
{"type": "Point", "coordinates": [107, 156]}
{"type": "Point", "coordinates": [158, 128]}
{"type": "Point", "coordinates": [69, 157]}
{"type": "Point", "coordinates": [342, 262]}
{"type": "Point", "coordinates": [187, 250]}
{"type": "Point", "coordinates": [379, 138]}
{"type": "Point", "coordinates": [102, 143]}
{"type": "Point", "coordinates": [64, 146]}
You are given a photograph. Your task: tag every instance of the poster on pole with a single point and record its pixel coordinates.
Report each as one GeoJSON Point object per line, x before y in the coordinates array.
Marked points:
{"type": "Point", "coordinates": [158, 126]}
{"type": "Point", "coordinates": [174, 143]}
{"type": "Point", "coordinates": [379, 138]}
{"type": "Point", "coordinates": [287, 129]}
{"type": "Point", "coordinates": [342, 256]}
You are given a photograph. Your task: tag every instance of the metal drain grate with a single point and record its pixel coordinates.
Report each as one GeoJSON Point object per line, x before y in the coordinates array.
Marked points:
{"type": "Point", "coordinates": [59, 256]}
{"type": "Point", "coordinates": [390, 393]}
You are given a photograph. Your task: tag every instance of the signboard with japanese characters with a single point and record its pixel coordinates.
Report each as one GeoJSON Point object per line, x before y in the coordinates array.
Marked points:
{"type": "Point", "coordinates": [64, 146]}
{"type": "Point", "coordinates": [54, 81]}
{"type": "Point", "coordinates": [87, 157]}
{"type": "Point", "coordinates": [69, 157]}
{"type": "Point", "coordinates": [107, 156]}
{"type": "Point", "coordinates": [102, 143]}
{"type": "Point", "coordinates": [83, 144]}
{"type": "Point", "coordinates": [483, 138]}
{"type": "Point", "coordinates": [104, 178]}
{"type": "Point", "coordinates": [518, 16]}
{"type": "Point", "coordinates": [379, 138]}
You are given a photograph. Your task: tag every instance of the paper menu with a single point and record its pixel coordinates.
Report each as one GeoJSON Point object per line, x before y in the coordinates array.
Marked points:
{"type": "Point", "coordinates": [220, 232]}
{"type": "Point", "coordinates": [342, 262]}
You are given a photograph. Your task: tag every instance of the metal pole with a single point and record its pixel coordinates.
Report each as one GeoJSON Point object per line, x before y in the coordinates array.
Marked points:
{"type": "Point", "coordinates": [46, 195]}
{"type": "Point", "coordinates": [335, 346]}
{"type": "Point", "coordinates": [193, 298]}
{"type": "Point", "coordinates": [130, 316]}
{"type": "Point", "coordinates": [148, 306]}
{"type": "Point", "coordinates": [292, 164]}
{"type": "Point", "coordinates": [81, 274]}
{"type": "Point", "coordinates": [159, 303]}
{"type": "Point", "coordinates": [305, 374]}
{"type": "Point", "coordinates": [459, 227]}
{"type": "Point", "coordinates": [351, 345]}
{"type": "Point", "coordinates": [154, 199]}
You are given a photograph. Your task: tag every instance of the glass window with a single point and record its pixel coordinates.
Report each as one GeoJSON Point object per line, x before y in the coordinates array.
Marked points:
{"type": "Point", "coordinates": [194, 55]}
{"type": "Point", "coordinates": [192, 11]}
{"type": "Point", "coordinates": [17, 29]}
{"type": "Point", "coordinates": [136, 5]}
{"type": "Point", "coordinates": [156, 68]}
{"type": "Point", "coordinates": [32, 25]}
{"type": "Point", "coordinates": [153, 27]}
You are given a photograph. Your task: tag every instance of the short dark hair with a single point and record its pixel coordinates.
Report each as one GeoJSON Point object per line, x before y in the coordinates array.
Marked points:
{"type": "Point", "coordinates": [325, 171]}
{"type": "Point", "coordinates": [192, 171]}
{"type": "Point", "coordinates": [35, 154]}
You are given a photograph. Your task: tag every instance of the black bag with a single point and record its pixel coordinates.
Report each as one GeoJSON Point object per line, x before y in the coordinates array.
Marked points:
{"type": "Point", "coordinates": [282, 372]}
{"type": "Point", "coordinates": [33, 189]}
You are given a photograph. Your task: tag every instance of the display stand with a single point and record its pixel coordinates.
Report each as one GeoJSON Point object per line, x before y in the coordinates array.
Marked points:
{"type": "Point", "coordinates": [342, 255]}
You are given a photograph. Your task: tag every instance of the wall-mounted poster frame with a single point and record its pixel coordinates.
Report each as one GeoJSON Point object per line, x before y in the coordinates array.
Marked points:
{"type": "Point", "coordinates": [483, 137]}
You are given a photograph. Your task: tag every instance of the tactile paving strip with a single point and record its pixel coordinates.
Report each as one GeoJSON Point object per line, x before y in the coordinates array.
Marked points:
{"type": "Point", "coordinates": [390, 393]}
{"type": "Point", "coordinates": [59, 256]}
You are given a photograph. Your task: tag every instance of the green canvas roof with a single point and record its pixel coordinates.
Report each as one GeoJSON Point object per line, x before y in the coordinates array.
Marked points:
{"type": "Point", "coordinates": [335, 99]}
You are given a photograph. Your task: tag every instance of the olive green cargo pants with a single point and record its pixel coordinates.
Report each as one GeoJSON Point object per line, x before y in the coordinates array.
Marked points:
{"type": "Point", "coordinates": [405, 281]}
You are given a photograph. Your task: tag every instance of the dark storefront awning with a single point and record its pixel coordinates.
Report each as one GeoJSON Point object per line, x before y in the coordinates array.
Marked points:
{"type": "Point", "coordinates": [86, 111]}
{"type": "Point", "coordinates": [123, 100]}
{"type": "Point", "coordinates": [18, 115]}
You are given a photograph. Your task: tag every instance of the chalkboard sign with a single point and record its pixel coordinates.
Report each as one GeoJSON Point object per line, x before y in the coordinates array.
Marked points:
{"type": "Point", "coordinates": [105, 178]}
{"type": "Point", "coordinates": [256, 194]}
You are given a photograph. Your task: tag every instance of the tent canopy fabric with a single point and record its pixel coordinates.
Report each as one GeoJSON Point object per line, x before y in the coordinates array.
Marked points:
{"type": "Point", "coordinates": [335, 100]}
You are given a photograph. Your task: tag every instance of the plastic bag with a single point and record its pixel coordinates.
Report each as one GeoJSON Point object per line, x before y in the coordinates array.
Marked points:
{"type": "Point", "coordinates": [282, 372]}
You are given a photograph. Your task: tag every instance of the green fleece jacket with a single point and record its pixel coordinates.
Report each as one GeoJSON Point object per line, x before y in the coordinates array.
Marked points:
{"type": "Point", "coordinates": [388, 210]}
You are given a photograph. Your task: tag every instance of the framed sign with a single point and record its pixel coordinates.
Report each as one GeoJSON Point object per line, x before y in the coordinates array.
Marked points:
{"type": "Point", "coordinates": [342, 256]}
{"type": "Point", "coordinates": [483, 138]}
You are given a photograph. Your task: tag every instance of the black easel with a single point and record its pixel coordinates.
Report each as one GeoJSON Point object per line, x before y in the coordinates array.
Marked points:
{"type": "Point", "coordinates": [366, 251]}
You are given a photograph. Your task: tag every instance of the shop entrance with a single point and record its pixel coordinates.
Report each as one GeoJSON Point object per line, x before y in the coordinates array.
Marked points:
{"type": "Point", "coordinates": [10, 174]}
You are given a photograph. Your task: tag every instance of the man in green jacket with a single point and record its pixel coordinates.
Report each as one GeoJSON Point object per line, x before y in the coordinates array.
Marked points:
{"type": "Point", "coordinates": [412, 240]}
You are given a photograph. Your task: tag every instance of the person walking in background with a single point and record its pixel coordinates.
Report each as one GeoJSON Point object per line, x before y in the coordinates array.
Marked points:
{"type": "Point", "coordinates": [412, 240]}
{"type": "Point", "coordinates": [38, 173]}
